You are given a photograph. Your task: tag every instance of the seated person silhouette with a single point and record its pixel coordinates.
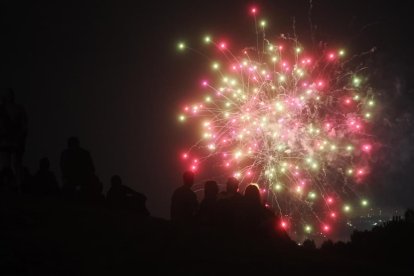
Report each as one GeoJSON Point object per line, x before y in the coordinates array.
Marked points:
{"type": "Point", "coordinates": [44, 181]}
{"type": "Point", "coordinates": [184, 202]}
{"type": "Point", "coordinates": [121, 196]}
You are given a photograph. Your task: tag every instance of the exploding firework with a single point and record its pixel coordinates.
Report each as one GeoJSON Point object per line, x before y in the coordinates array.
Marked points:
{"type": "Point", "coordinates": [294, 121]}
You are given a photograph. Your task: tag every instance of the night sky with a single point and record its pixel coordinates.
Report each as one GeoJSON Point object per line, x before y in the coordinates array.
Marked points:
{"type": "Point", "coordinates": [109, 73]}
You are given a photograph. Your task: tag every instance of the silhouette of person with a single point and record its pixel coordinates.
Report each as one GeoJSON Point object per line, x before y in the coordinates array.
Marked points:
{"type": "Point", "coordinates": [76, 165]}
{"type": "Point", "coordinates": [184, 202]}
{"type": "Point", "coordinates": [255, 214]}
{"type": "Point", "coordinates": [13, 133]}
{"type": "Point", "coordinates": [44, 181]}
{"type": "Point", "coordinates": [208, 206]}
{"type": "Point", "coordinates": [232, 186]}
{"type": "Point", "coordinates": [120, 196]}
{"type": "Point", "coordinates": [229, 204]}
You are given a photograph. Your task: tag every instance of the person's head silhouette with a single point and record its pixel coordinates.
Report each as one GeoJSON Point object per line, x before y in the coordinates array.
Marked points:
{"type": "Point", "coordinates": [188, 179]}
{"type": "Point", "coordinates": [210, 189]}
{"type": "Point", "coordinates": [252, 194]}
{"type": "Point", "coordinates": [232, 185]}
{"type": "Point", "coordinates": [44, 164]}
{"type": "Point", "coordinates": [73, 143]}
{"type": "Point", "coordinates": [116, 181]}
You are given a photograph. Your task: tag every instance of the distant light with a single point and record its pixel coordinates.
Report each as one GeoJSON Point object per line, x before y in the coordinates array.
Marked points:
{"type": "Point", "coordinates": [263, 23]}
{"type": "Point", "coordinates": [347, 208]}
{"type": "Point", "coordinates": [181, 118]}
{"type": "Point", "coordinates": [366, 148]}
{"type": "Point", "coordinates": [364, 202]}
{"type": "Point", "coordinates": [181, 46]}
{"type": "Point", "coordinates": [207, 39]}
{"type": "Point", "coordinates": [278, 187]}
{"type": "Point", "coordinates": [341, 52]}
{"type": "Point", "coordinates": [312, 195]}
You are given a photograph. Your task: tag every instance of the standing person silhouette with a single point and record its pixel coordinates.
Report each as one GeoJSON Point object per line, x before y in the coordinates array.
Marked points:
{"type": "Point", "coordinates": [208, 206]}
{"type": "Point", "coordinates": [77, 167]}
{"type": "Point", "coordinates": [184, 202]}
{"type": "Point", "coordinates": [13, 133]}
{"type": "Point", "coordinates": [228, 205]}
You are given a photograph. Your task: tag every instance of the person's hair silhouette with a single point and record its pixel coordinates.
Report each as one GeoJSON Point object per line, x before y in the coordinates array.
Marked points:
{"type": "Point", "coordinates": [256, 217]}
{"type": "Point", "coordinates": [252, 195]}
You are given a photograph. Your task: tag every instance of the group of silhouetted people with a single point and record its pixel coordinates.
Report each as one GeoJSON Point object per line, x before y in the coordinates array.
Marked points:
{"type": "Point", "coordinates": [227, 210]}
{"type": "Point", "coordinates": [79, 180]}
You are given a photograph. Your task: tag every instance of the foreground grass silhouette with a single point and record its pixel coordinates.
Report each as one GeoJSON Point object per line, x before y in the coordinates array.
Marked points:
{"type": "Point", "coordinates": [52, 236]}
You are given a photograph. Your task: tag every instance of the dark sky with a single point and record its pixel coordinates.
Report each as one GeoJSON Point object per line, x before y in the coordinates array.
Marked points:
{"type": "Point", "coordinates": [109, 73]}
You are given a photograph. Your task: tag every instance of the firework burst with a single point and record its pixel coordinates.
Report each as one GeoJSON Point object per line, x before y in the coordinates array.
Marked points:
{"type": "Point", "coordinates": [296, 122]}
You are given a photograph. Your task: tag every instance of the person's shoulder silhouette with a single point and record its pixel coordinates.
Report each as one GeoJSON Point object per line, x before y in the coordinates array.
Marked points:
{"type": "Point", "coordinates": [184, 202]}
